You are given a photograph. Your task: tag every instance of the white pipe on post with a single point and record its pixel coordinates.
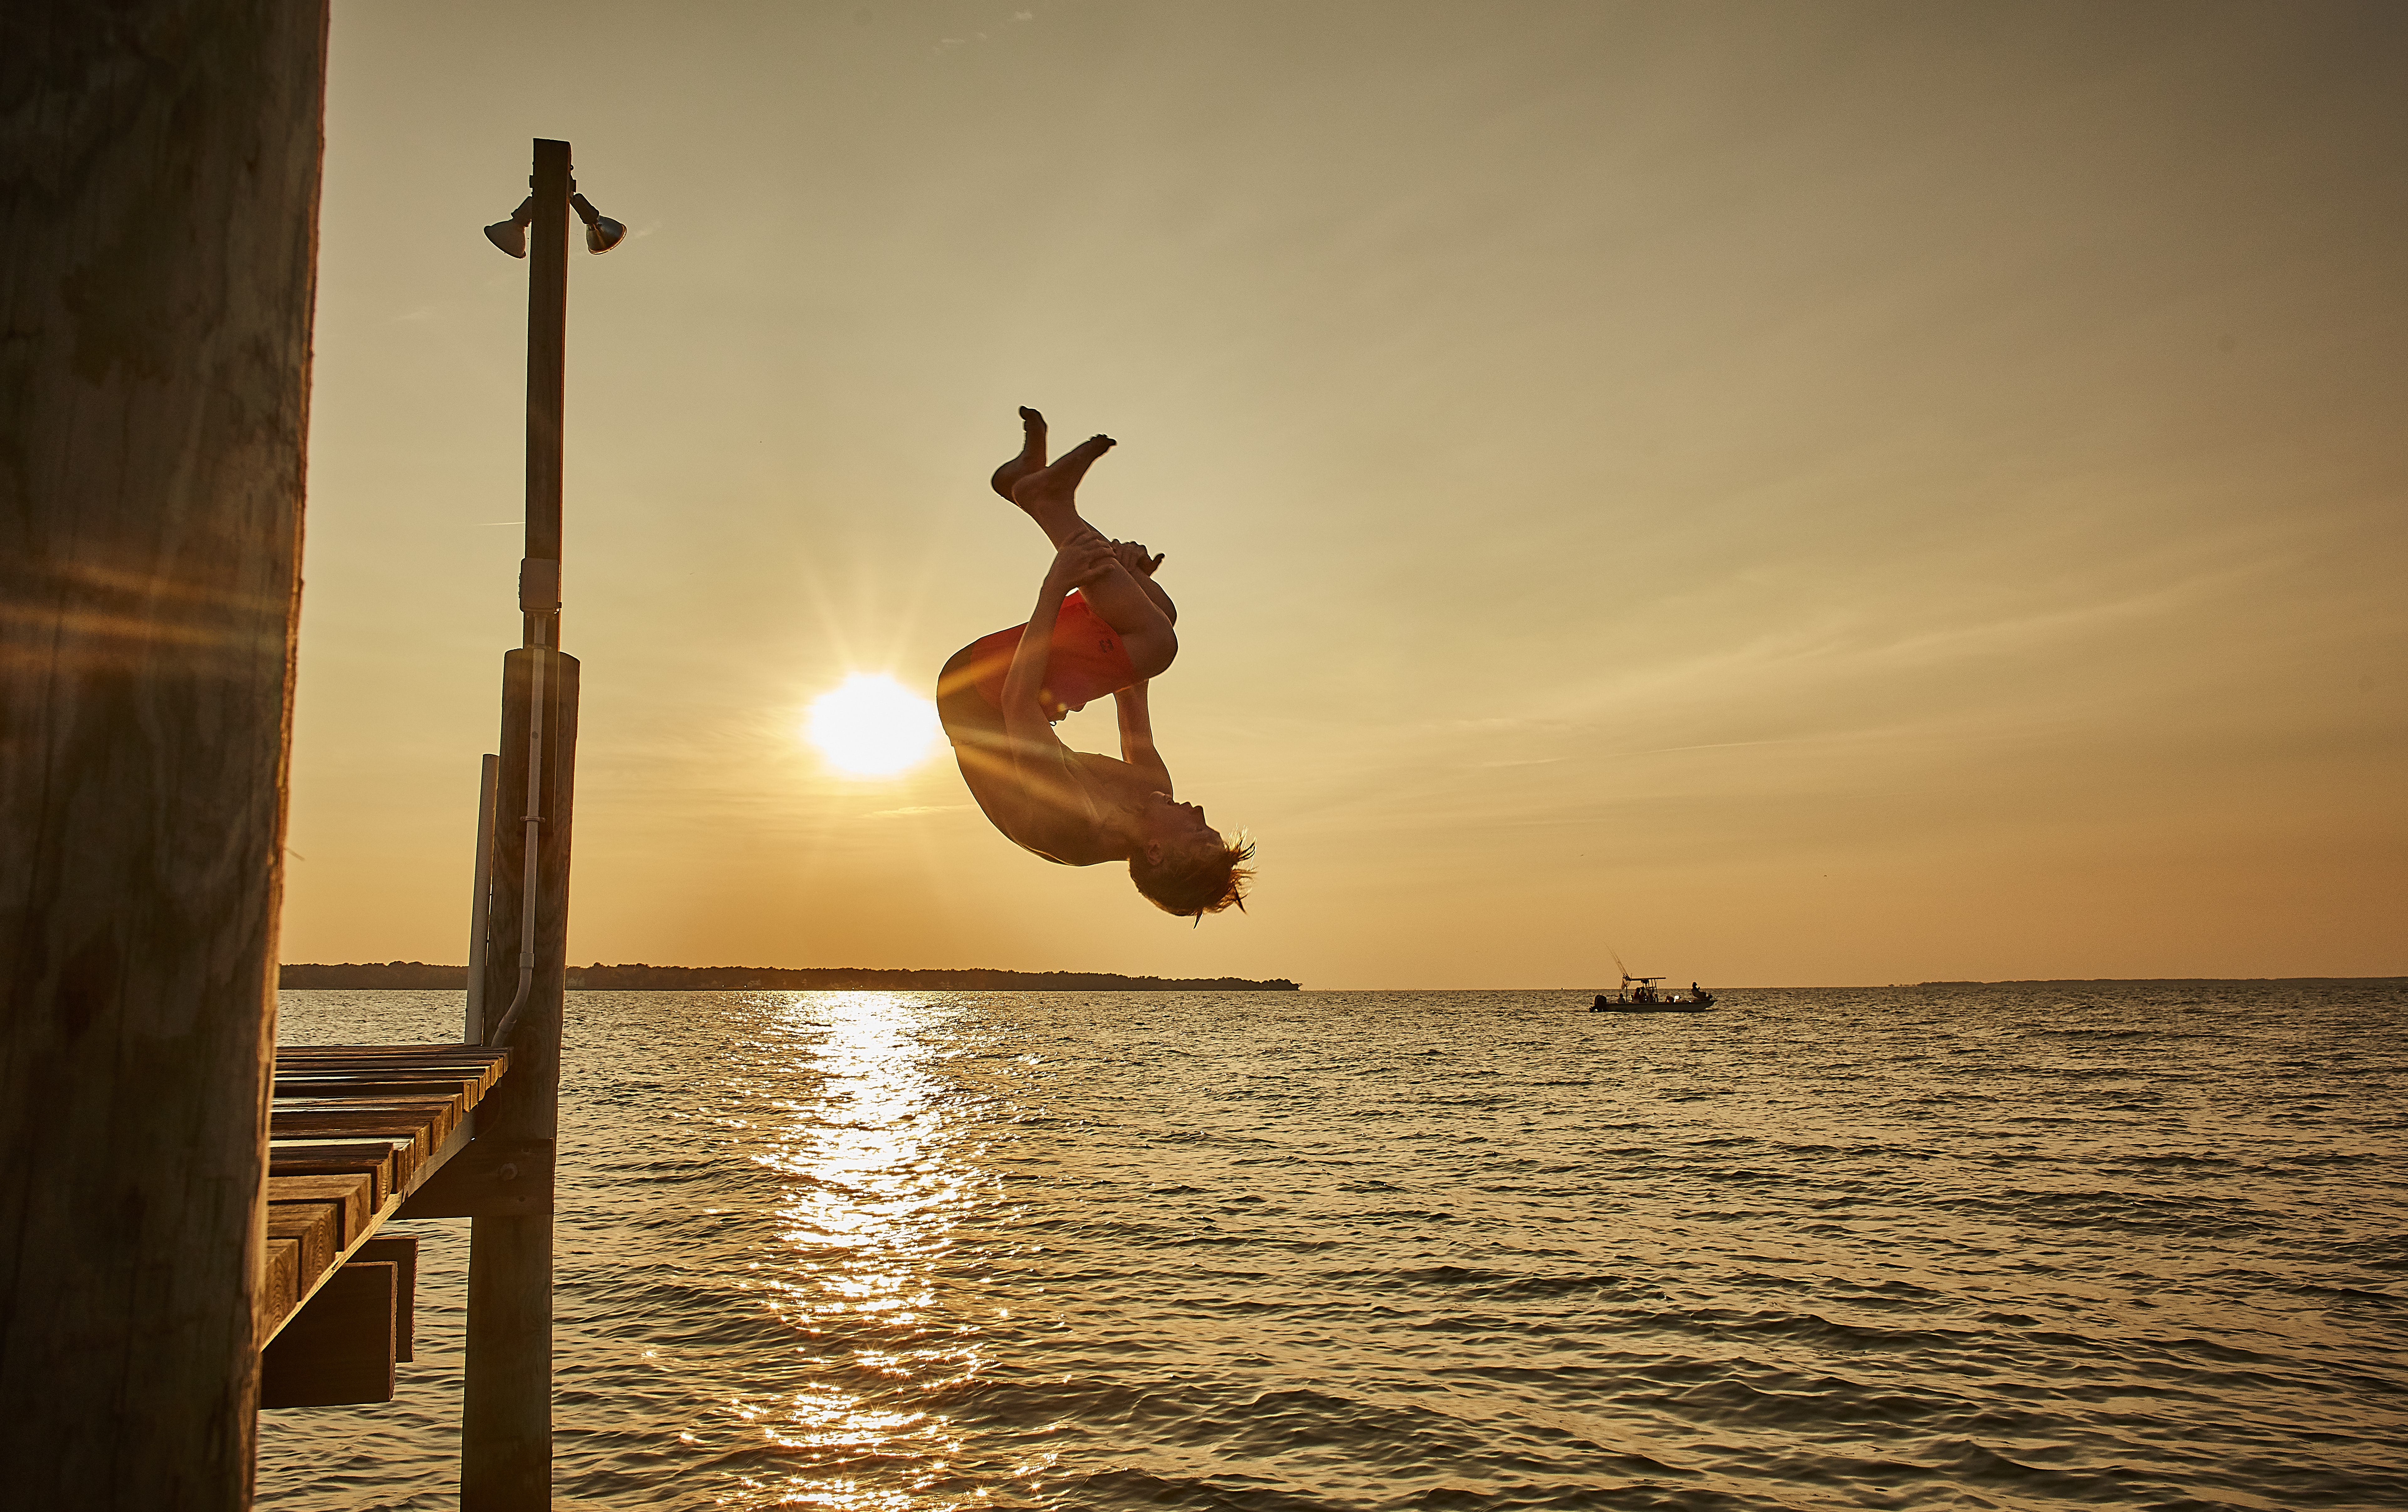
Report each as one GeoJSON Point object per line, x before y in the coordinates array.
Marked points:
{"type": "Point", "coordinates": [481, 903]}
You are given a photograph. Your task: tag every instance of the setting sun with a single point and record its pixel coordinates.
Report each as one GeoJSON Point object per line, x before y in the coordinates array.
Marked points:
{"type": "Point", "coordinates": [872, 726]}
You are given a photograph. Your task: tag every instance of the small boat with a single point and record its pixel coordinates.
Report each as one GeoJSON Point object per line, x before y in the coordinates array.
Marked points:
{"type": "Point", "coordinates": [1640, 994]}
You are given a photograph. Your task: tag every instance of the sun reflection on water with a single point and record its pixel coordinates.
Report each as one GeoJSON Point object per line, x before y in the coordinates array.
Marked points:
{"type": "Point", "coordinates": [872, 1196]}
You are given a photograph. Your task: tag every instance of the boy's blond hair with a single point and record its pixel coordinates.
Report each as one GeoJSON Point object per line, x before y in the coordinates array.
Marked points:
{"type": "Point", "coordinates": [1193, 886]}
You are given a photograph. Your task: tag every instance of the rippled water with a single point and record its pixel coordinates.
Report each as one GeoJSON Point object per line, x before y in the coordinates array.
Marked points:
{"type": "Point", "coordinates": [2131, 1246]}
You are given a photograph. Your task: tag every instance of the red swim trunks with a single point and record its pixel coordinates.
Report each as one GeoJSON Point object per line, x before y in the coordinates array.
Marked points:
{"type": "Point", "coordinates": [1087, 660]}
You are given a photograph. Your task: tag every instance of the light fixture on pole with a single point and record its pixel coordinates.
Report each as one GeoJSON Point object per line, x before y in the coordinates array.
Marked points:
{"type": "Point", "coordinates": [601, 232]}
{"type": "Point", "coordinates": [511, 234]}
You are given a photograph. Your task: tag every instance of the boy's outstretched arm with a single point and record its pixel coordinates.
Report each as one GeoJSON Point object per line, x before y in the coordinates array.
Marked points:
{"type": "Point", "coordinates": [1078, 563]}
{"type": "Point", "coordinates": [1137, 736]}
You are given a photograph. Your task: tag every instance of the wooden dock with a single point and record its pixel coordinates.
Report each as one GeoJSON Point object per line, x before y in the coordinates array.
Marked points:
{"type": "Point", "coordinates": [355, 1132]}
{"type": "Point", "coordinates": [352, 1132]}
{"type": "Point", "coordinates": [192, 1222]}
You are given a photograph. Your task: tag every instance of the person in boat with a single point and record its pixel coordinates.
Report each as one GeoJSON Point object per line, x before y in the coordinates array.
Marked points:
{"type": "Point", "coordinates": [1101, 625]}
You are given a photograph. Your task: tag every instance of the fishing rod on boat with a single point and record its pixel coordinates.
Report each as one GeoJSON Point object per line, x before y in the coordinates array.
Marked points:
{"type": "Point", "coordinates": [1620, 966]}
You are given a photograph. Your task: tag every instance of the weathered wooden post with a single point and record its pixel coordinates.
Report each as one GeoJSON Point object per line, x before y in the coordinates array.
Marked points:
{"type": "Point", "coordinates": [159, 170]}
{"type": "Point", "coordinates": [506, 1416]}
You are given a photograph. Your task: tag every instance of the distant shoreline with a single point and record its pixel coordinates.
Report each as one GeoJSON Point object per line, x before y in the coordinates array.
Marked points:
{"type": "Point", "coordinates": [2159, 982]}
{"type": "Point", "coordinates": [639, 977]}
{"type": "Point", "coordinates": [422, 975]}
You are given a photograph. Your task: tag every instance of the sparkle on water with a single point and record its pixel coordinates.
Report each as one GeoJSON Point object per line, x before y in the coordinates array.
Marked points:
{"type": "Point", "coordinates": [872, 726]}
{"type": "Point", "coordinates": [869, 1207]}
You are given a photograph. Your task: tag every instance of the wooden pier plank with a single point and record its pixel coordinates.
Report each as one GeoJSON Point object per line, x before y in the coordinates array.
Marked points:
{"type": "Point", "coordinates": [473, 1068]}
{"type": "Point", "coordinates": [409, 1136]}
{"type": "Point", "coordinates": [423, 1128]}
{"type": "Point", "coordinates": [480, 1064]}
{"type": "Point", "coordinates": [313, 1088]}
{"type": "Point", "coordinates": [313, 1159]}
{"type": "Point", "coordinates": [352, 1128]}
{"type": "Point", "coordinates": [353, 1195]}
{"type": "Point", "coordinates": [317, 1227]}
{"type": "Point", "coordinates": [279, 1288]}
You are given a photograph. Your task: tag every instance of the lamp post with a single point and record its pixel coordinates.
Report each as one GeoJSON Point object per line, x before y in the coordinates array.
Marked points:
{"type": "Point", "coordinates": [520, 934]}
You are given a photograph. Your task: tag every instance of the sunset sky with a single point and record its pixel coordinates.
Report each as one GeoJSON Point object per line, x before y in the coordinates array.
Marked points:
{"type": "Point", "coordinates": [1791, 493]}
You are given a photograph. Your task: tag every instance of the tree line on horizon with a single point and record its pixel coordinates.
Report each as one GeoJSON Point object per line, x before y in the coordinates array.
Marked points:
{"type": "Point", "coordinates": [640, 978]}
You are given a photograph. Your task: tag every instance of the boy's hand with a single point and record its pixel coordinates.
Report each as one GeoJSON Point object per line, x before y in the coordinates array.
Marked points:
{"type": "Point", "coordinates": [1133, 556]}
{"type": "Point", "coordinates": [1083, 562]}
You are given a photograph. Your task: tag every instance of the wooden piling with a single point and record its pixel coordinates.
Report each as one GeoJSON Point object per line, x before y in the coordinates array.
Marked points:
{"type": "Point", "coordinates": [506, 1411]}
{"type": "Point", "coordinates": [159, 177]}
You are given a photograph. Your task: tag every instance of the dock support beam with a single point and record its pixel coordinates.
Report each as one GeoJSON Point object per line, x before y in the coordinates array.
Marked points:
{"type": "Point", "coordinates": [159, 174]}
{"type": "Point", "coordinates": [506, 1412]}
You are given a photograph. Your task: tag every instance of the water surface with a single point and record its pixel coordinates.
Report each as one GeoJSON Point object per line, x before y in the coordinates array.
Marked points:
{"type": "Point", "coordinates": [2123, 1246]}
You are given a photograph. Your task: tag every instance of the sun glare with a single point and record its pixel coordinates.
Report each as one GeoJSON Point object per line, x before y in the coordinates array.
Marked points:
{"type": "Point", "coordinates": [872, 726]}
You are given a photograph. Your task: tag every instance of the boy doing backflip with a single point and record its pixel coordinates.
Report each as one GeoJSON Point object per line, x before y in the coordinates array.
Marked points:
{"type": "Point", "coordinates": [1101, 625]}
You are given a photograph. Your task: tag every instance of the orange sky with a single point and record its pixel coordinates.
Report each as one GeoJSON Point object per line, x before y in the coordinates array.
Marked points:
{"type": "Point", "coordinates": [1791, 493]}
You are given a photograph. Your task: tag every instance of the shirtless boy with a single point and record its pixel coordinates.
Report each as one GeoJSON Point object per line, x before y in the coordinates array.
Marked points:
{"type": "Point", "coordinates": [1101, 625]}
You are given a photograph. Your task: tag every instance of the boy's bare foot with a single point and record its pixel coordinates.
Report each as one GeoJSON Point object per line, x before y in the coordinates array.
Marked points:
{"type": "Point", "coordinates": [1057, 487]}
{"type": "Point", "coordinates": [1032, 453]}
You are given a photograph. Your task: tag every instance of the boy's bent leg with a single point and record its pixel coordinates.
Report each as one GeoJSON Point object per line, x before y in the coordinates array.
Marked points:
{"type": "Point", "coordinates": [1151, 647]}
{"type": "Point", "coordinates": [1140, 565]}
{"type": "Point", "coordinates": [1050, 495]}
{"type": "Point", "coordinates": [1052, 502]}
{"type": "Point", "coordinates": [1120, 599]}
